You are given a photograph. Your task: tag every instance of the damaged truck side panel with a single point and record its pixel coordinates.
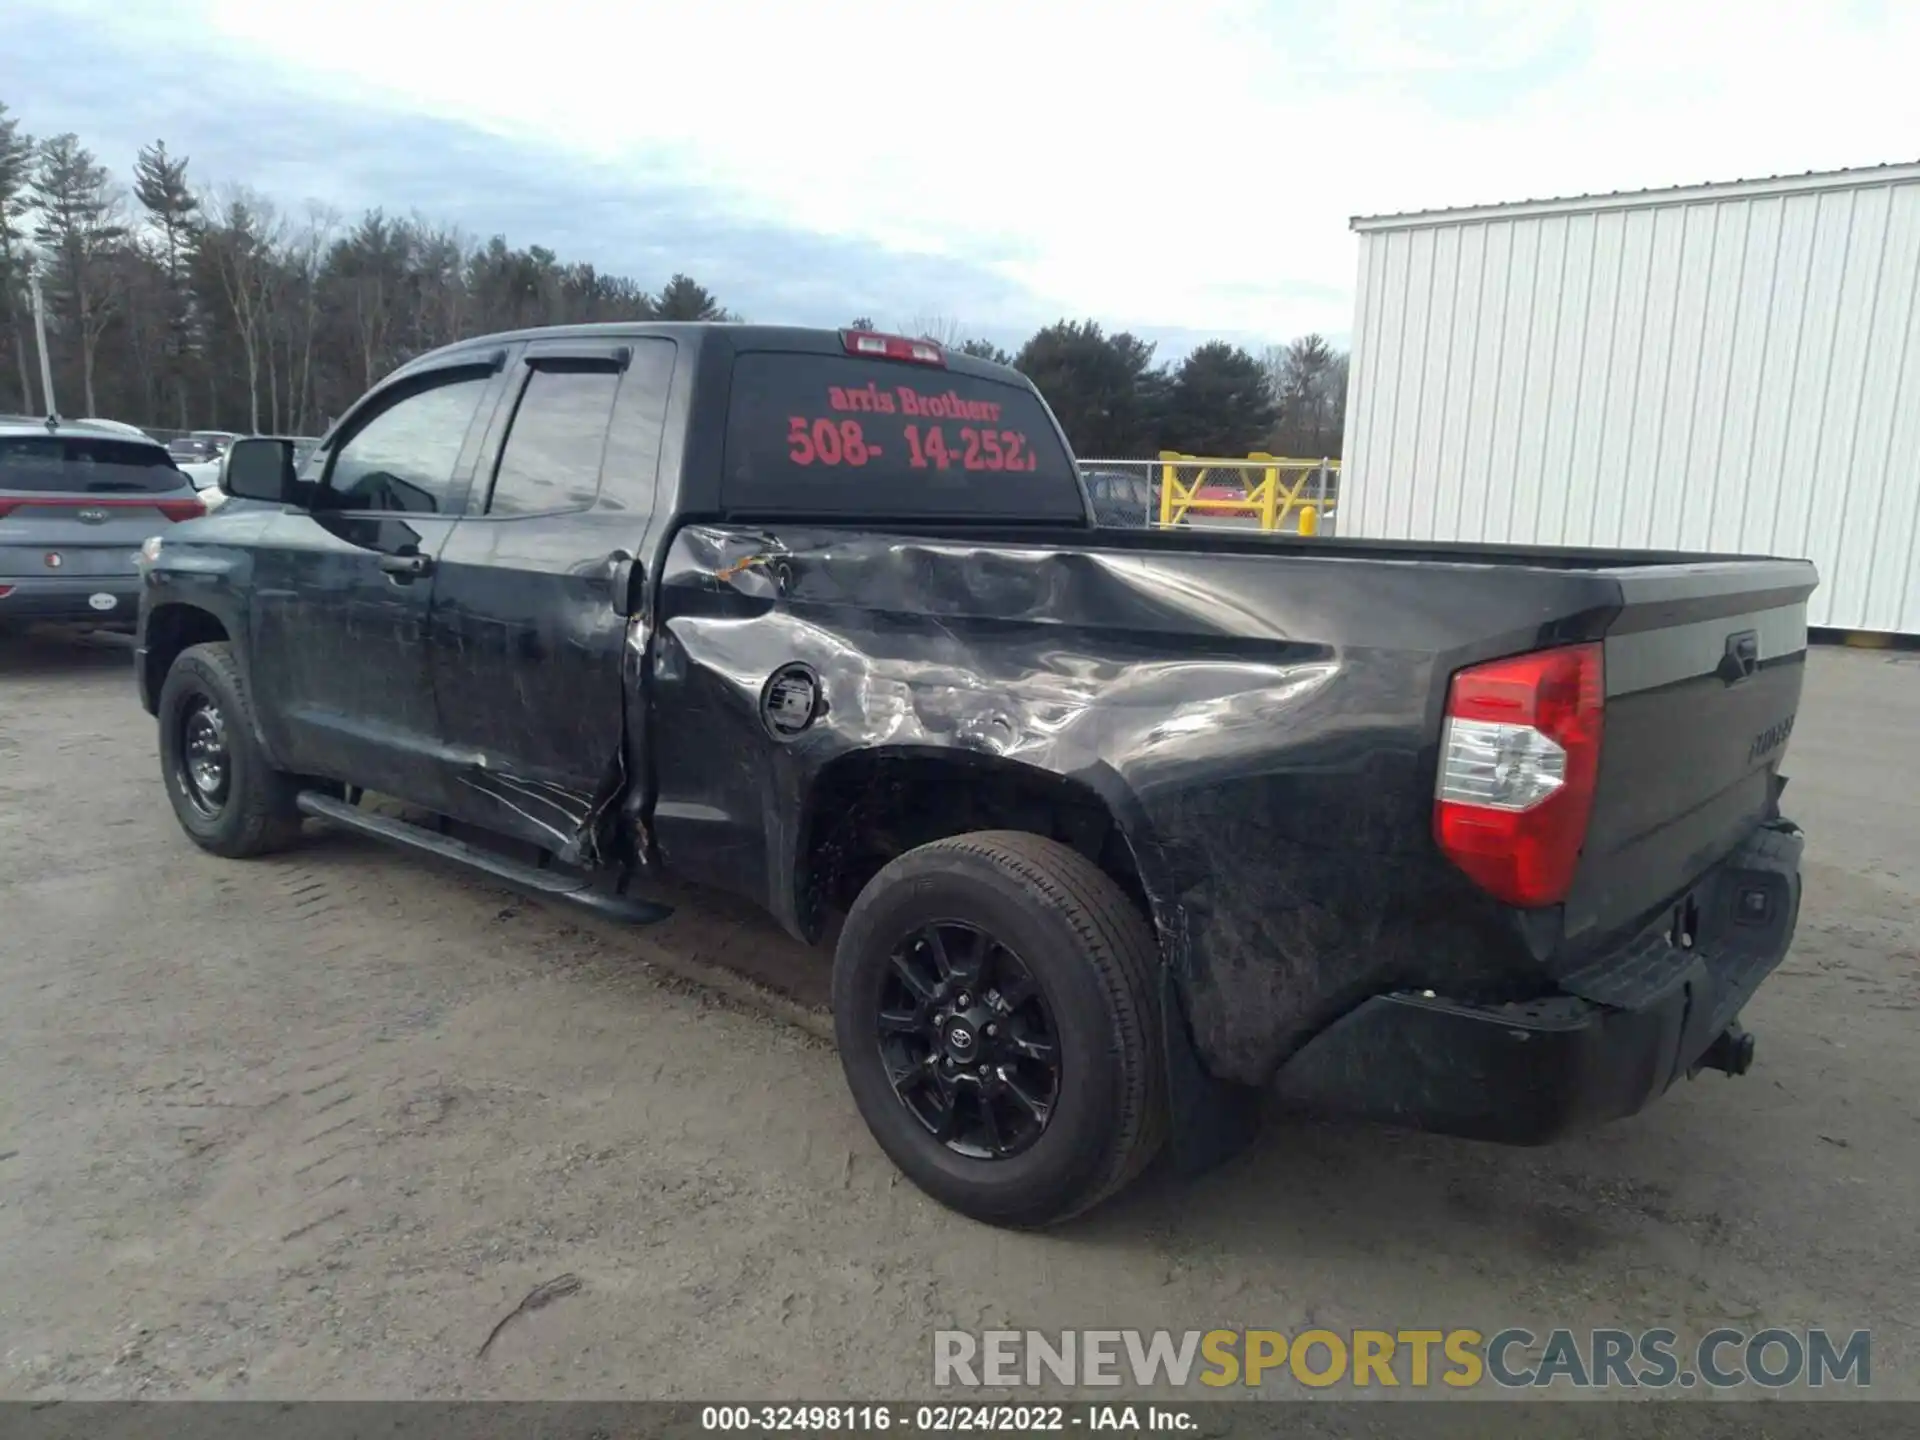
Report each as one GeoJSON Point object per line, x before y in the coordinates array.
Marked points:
{"type": "Point", "coordinates": [1271, 796]}
{"type": "Point", "coordinates": [717, 604]}
{"type": "Point", "coordinates": [1261, 787]}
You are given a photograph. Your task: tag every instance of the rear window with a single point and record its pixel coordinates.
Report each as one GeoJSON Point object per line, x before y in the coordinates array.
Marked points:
{"type": "Point", "coordinates": [834, 435]}
{"type": "Point", "coordinates": [84, 465]}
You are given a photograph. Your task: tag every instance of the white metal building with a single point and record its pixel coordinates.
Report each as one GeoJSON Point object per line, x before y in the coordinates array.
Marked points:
{"type": "Point", "coordinates": [1722, 367]}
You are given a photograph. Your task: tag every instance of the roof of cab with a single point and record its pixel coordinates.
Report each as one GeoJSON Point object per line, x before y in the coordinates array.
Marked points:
{"type": "Point", "coordinates": [739, 336]}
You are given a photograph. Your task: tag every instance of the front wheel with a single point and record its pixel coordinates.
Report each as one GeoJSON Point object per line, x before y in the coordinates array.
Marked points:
{"type": "Point", "coordinates": [995, 1005]}
{"type": "Point", "coordinates": [226, 795]}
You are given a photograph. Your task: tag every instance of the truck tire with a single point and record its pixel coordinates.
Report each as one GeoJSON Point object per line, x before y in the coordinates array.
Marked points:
{"type": "Point", "coordinates": [226, 795]}
{"type": "Point", "coordinates": [996, 1007]}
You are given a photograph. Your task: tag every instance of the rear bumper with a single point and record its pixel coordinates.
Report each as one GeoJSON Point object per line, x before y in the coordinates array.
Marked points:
{"type": "Point", "coordinates": [1637, 1019]}
{"type": "Point", "coordinates": [71, 597]}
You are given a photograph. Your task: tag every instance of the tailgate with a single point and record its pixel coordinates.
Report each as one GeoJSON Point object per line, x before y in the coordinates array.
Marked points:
{"type": "Point", "coordinates": [1703, 671]}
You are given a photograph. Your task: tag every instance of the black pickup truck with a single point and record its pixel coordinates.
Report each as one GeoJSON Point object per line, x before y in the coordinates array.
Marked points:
{"type": "Point", "coordinates": [1117, 829]}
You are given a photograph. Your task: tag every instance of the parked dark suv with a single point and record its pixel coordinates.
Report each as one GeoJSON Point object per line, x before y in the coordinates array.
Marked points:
{"type": "Point", "coordinates": [76, 504]}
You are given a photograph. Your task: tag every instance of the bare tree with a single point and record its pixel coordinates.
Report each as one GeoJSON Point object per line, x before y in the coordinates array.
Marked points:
{"type": "Point", "coordinates": [943, 330]}
{"type": "Point", "coordinates": [438, 255]}
{"type": "Point", "coordinates": [1309, 379]}
{"type": "Point", "coordinates": [239, 244]}
{"type": "Point", "coordinates": [80, 226]}
{"type": "Point", "coordinates": [306, 258]}
{"type": "Point", "coordinates": [368, 271]}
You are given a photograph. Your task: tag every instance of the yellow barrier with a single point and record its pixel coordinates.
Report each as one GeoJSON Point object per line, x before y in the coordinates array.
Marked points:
{"type": "Point", "coordinates": [1261, 480]}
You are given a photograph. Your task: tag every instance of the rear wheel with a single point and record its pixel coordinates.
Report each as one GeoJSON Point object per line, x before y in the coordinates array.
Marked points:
{"type": "Point", "coordinates": [226, 795]}
{"type": "Point", "coordinates": [995, 1007]}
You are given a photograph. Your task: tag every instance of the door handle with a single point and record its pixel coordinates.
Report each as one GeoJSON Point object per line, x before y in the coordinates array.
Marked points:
{"type": "Point", "coordinates": [619, 570]}
{"type": "Point", "coordinates": [407, 566]}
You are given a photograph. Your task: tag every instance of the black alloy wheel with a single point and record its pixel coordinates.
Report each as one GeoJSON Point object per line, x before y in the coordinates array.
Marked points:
{"type": "Point", "coordinates": [968, 1041]}
{"type": "Point", "coordinates": [995, 1006]}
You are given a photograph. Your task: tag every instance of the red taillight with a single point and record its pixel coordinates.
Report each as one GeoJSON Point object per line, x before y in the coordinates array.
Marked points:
{"type": "Point", "coordinates": [189, 509]}
{"type": "Point", "coordinates": [1518, 759]}
{"type": "Point", "coordinates": [892, 347]}
{"type": "Point", "coordinates": [5, 590]}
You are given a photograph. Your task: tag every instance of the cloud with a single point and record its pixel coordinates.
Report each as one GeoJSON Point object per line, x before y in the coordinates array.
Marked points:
{"type": "Point", "coordinates": [353, 154]}
{"type": "Point", "coordinates": [1168, 168]}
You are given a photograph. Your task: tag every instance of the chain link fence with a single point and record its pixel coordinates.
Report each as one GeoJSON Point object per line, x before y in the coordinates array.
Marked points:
{"type": "Point", "coordinates": [1266, 493]}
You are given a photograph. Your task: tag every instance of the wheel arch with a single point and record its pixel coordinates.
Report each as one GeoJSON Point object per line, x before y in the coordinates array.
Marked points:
{"type": "Point", "coordinates": [1213, 1119]}
{"type": "Point", "coordinates": [867, 806]}
{"type": "Point", "coordinates": [169, 630]}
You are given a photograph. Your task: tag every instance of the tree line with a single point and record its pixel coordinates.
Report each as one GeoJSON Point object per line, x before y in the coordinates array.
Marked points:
{"type": "Point", "coordinates": [176, 305]}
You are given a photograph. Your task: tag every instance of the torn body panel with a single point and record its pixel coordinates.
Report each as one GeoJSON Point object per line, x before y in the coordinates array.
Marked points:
{"type": "Point", "coordinates": [530, 677]}
{"type": "Point", "coordinates": [1242, 731]}
{"type": "Point", "coordinates": [1261, 739]}
{"type": "Point", "coordinates": [1243, 734]}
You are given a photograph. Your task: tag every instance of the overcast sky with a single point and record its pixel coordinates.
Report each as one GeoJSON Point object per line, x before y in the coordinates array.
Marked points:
{"type": "Point", "coordinates": [1180, 168]}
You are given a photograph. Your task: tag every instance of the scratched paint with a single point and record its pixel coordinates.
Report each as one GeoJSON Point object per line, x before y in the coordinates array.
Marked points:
{"type": "Point", "coordinates": [1275, 791]}
{"type": "Point", "coordinates": [1254, 722]}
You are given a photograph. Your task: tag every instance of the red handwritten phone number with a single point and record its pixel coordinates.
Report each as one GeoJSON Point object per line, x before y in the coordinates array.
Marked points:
{"type": "Point", "coordinates": [843, 442]}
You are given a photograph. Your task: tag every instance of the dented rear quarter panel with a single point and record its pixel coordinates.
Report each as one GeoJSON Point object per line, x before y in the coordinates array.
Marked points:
{"type": "Point", "coordinates": [1261, 724]}
{"type": "Point", "coordinates": [1259, 718]}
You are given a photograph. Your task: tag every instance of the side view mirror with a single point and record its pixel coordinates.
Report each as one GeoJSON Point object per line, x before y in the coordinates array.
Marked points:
{"type": "Point", "coordinates": [259, 468]}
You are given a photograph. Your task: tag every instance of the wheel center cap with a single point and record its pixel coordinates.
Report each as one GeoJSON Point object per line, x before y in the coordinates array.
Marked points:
{"type": "Point", "coordinates": [962, 1041]}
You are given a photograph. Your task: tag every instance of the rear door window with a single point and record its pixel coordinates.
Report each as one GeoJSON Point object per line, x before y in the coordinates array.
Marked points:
{"type": "Point", "coordinates": [834, 435]}
{"type": "Point", "coordinates": [85, 465]}
{"type": "Point", "coordinates": [551, 460]}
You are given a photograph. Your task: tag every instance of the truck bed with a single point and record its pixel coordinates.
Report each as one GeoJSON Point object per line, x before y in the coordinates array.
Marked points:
{"type": "Point", "coordinates": [1265, 712]}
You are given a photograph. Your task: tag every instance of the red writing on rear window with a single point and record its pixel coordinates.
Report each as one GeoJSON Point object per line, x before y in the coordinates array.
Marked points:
{"type": "Point", "coordinates": [905, 400]}
{"type": "Point", "coordinates": [822, 440]}
{"type": "Point", "coordinates": [827, 435]}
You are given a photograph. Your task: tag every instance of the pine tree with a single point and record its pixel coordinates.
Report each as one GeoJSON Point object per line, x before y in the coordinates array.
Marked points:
{"type": "Point", "coordinates": [173, 213]}
{"type": "Point", "coordinates": [684, 298]}
{"type": "Point", "coordinates": [985, 350]}
{"type": "Point", "coordinates": [17, 152]}
{"type": "Point", "coordinates": [80, 227]}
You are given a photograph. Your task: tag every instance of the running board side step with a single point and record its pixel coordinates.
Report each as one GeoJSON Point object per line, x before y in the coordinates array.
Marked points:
{"type": "Point", "coordinates": [545, 884]}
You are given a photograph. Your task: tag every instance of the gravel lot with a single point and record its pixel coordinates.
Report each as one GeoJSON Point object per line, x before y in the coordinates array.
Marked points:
{"type": "Point", "coordinates": [311, 1126]}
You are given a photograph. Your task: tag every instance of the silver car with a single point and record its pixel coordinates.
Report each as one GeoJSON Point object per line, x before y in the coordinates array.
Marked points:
{"type": "Point", "coordinates": [76, 504]}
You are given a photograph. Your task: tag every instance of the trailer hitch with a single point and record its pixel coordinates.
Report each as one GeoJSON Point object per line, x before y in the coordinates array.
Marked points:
{"type": "Point", "coordinates": [1731, 1052]}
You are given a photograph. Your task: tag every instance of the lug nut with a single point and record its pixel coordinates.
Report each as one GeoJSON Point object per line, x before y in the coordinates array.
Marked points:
{"type": "Point", "coordinates": [993, 1029]}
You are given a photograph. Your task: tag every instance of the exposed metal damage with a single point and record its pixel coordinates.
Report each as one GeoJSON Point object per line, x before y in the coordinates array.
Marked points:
{"type": "Point", "coordinates": [1240, 733]}
{"type": "Point", "coordinates": [1252, 779]}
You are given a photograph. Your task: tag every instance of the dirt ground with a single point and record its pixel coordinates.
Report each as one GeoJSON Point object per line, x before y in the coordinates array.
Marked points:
{"type": "Point", "coordinates": [311, 1126]}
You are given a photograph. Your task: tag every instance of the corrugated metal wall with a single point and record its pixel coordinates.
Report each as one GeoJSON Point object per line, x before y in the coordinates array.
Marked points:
{"type": "Point", "coordinates": [1741, 374]}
